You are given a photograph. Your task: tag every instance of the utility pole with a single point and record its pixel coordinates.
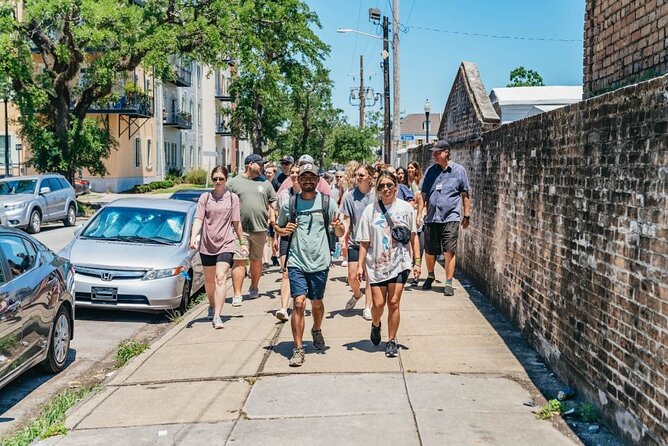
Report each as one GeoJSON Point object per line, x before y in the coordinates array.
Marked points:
{"type": "Point", "coordinates": [362, 102]}
{"type": "Point", "coordinates": [387, 155]}
{"type": "Point", "coordinates": [6, 139]}
{"type": "Point", "coordinates": [396, 128]}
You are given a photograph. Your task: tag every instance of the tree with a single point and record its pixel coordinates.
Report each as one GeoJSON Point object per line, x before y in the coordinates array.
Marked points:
{"type": "Point", "coordinates": [278, 53]}
{"type": "Point", "coordinates": [62, 57]}
{"type": "Point", "coordinates": [347, 142]}
{"type": "Point", "coordinates": [521, 77]}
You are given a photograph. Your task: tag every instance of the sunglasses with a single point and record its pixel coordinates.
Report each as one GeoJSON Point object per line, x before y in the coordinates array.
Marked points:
{"type": "Point", "coordinates": [218, 179]}
{"type": "Point", "coordinates": [384, 186]}
{"type": "Point", "coordinates": [361, 175]}
{"type": "Point", "coordinates": [285, 163]}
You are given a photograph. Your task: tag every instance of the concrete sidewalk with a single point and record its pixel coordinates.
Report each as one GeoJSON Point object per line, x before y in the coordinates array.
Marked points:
{"type": "Point", "coordinates": [455, 382]}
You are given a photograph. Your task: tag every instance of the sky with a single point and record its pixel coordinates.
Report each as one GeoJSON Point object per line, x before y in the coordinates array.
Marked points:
{"type": "Point", "coordinates": [429, 59]}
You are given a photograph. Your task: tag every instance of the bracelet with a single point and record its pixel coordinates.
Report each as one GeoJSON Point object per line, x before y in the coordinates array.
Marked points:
{"type": "Point", "coordinates": [418, 261]}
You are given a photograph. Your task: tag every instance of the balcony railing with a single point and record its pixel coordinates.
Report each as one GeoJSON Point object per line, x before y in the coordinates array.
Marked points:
{"type": "Point", "coordinates": [222, 92]}
{"type": "Point", "coordinates": [183, 77]}
{"type": "Point", "coordinates": [222, 129]}
{"type": "Point", "coordinates": [137, 105]}
{"type": "Point", "coordinates": [177, 119]}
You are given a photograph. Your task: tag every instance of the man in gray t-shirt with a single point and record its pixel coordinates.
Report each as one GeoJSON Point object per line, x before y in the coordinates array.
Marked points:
{"type": "Point", "coordinates": [256, 198]}
{"type": "Point", "coordinates": [445, 189]}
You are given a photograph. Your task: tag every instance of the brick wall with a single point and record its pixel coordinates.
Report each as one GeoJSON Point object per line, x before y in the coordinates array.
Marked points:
{"type": "Point", "coordinates": [625, 42]}
{"type": "Point", "coordinates": [570, 240]}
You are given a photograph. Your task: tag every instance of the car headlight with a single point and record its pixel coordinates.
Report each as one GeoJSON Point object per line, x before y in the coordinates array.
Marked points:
{"type": "Point", "coordinates": [14, 207]}
{"type": "Point", "coordinates": [162, 273]}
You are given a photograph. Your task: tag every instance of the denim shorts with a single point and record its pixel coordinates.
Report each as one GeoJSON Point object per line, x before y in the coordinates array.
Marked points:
{"type": "Point", "coordinates": [311, 285]}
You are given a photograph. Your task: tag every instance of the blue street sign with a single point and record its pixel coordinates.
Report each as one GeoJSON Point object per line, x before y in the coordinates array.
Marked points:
{"type": "Point", "coordinates": [407, 137]}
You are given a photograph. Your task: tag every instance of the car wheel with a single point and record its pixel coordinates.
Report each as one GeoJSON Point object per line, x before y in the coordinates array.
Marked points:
{"type": "Point", "coordinates": [185, 298]}
{"type": "Point", "coordinates": [35, 222]}
{"type": "Point", "coordinates": [59, 344]}
{"type": "Point", "coordinates": [71, 218]}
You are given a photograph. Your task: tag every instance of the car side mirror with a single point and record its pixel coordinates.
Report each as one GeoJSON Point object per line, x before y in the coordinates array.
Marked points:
{"type": "Point", "coordinates": [44, 190]}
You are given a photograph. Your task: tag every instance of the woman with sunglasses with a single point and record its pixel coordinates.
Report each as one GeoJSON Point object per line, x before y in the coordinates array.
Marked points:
{"type": "Point", "coordinates": [352, 207]}
{"type": "Point", "coordinates": [388, 261]}
{"type": "Point", "coordinates": [414, 180]}
{"type": "Point", "coordinates": [218, 217]}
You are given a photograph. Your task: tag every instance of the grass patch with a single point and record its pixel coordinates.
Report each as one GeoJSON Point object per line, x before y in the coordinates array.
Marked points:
{"type": "Point", "coordinates": [553, 407]}
{"type": "Point", "coordinates": [51, 421]}
{"type": "Point", "coordinates": [85, 209]}
{"type": "Point", "coordinates": [177, 188]}
{"type": "Point", "coordinates": [128, 349]}
{"type": "Point", "coordinates": [588, 413]}
{"type": "Point", "coordinates": [176, 317]}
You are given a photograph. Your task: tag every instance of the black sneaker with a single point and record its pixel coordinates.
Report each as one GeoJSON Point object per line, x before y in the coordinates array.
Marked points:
{"type": "Point", "coordinates": [274, 261]}
{"type": "Point", "coordinates": [415, 281]}
{"type": "Point", "coordinates": [448, 290]}
{"type": "Point", "coordinates": [318, 340]}
{"type": "Point", "coordinates": [391, 348]}
{"type": "Point", "coordinates": [375, 334]}
{"type": "Point", "coordinates": [427, 283]}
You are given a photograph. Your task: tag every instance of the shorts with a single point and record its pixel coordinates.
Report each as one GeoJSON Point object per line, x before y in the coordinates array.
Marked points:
{"type": "Point", "coordinates": [353, 254]}
{"type": "Point", "coordinates": [402, 278]}
{"type": "Point", "coordinates": [270, 231]}
{"type": "Point", "coordinates": [311, 285]}
{"type": "Point", "coordinates": [283, 246]}
{"type": "Point", "coordinates": [255, 243]}
{"type": "Point", "coordinates": [441, 237]}
{"type": "Point", "coordinates": [212, 259]}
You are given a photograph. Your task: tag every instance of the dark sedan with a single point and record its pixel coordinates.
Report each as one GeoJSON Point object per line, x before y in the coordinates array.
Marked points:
{"type": "Point", "coordinates": [189, 194]}
{"type": "Point", "coordinates": [36, 306]}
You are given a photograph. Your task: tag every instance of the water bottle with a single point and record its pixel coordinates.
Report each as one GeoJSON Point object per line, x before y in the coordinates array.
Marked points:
{"type": "Point", "coordinates": [337, 251]}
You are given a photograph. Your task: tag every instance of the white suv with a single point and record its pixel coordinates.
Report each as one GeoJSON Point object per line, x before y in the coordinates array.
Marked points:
{"type": "Point", "coordinates": [28, 201]}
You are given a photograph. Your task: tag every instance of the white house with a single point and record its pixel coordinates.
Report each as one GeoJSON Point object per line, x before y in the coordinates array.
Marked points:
{"type": "Point", "coordinates": [514, 103]}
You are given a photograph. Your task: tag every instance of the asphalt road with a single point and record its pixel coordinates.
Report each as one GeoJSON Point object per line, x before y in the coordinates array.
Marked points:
{"type": "Point", "coordinates": [96, 335]}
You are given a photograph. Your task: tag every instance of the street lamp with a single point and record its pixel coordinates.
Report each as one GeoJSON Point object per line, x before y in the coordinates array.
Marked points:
{"type": "Point", "coordinates": [427, 109]}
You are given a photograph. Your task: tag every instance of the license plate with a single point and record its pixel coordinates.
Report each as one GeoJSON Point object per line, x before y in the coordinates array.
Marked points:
{"type": "Point", "coordinates": [104, 293]}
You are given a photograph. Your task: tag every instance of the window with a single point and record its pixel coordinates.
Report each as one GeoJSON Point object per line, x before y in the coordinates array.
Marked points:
{"type": "Point", "coordinates": [137, 153]}
{"type": "Point", "coordinates": [53, 184]}
{"type": "Point", "coordinates": [149, 162]}
{"type": "Point", "coordinates": [20, 256]}
{"type": "Point", "coordinates": [199, 76]}
{"type": "Point", "coordinates": [174, 157]}
{"type": "Point", "coordinates": [166, 152]}
{"type": "Point", "coordinates": [64, 183]}
{"type": "Point", "coordinates": [192, 156]}
{"type": "Point", "coordinates": [199, 114]}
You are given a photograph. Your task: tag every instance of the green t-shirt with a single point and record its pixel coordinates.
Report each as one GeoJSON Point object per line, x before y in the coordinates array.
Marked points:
{"type": "Point", "coordinates": [254, 197]}
{"type": "Point", "coordinates": [309, 249]}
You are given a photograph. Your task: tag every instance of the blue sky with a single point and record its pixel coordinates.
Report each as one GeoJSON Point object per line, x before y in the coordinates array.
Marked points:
{"type": "Point", "coordinates": [429, 59]}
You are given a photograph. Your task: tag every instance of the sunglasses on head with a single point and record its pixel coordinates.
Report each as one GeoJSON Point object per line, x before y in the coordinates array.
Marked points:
{"type": "Point", "coordinates": [383, 186]}
{"type": "Point", "coordinates": [218, 179]}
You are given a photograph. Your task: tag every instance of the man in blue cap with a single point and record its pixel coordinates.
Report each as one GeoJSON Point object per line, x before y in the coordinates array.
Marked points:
{"type": "Point", "coordinates": [256, 198]}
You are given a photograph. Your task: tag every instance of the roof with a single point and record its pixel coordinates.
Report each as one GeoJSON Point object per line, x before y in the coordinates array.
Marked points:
{"type": "Point", "coordinates": [551, 95]}
{"type": "Point", "coordinates": [153, 203]}
{"type": "Point", "coordinates": [413, 123]}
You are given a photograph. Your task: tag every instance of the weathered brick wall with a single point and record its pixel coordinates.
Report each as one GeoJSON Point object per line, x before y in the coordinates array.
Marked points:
{"type": "Point", "coordinates": [569, 238]}
{"type": "Point", "coordinates": [625, 42]}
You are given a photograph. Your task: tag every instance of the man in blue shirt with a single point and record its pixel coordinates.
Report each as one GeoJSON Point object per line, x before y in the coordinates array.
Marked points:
{"type": "Point", "coordinates": [445, 189]}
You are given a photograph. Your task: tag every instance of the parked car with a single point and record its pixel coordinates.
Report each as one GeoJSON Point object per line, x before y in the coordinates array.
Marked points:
{"type": "Point", "coordinates": [189, 194]}
{"type": "Point", "coordinates": [81, 187]}
{"type": "Point", "coordinates": [36, 306]}
{"type": "Point", "coordinates": [28, 201]}
{"type": "Point", "coordinates": [134, 254]}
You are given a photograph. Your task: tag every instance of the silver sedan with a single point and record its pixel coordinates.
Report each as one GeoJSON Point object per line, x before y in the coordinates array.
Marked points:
{"type": "Point", "coordinates": [133, 254]}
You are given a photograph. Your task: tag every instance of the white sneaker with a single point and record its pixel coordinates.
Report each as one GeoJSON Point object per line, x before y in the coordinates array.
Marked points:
{"type": "Point", "coordinates": [217, 323]}
{"type": "Point", "coordinates": [344, 263]}
{"type": "Point", "coordinates": [236, 301]}
{"type": "Point", "coordinates": [366, 314]}
{"type": "Point", "coordinates": [253, 294]}
{"type": "Point", "coordinates": [282, 314]}
{"type": "Point", "coordinates": [352, 302]}
{"type": "Point", "coordinates": [209, 315]}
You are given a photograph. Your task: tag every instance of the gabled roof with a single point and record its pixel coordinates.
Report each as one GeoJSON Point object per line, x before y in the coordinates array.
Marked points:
{"type": "Point", "coordinates": [413, 123]}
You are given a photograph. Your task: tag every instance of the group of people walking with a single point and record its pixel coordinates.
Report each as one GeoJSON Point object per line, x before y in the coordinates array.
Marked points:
{"type": "Point", "coordinates": [383, 217]}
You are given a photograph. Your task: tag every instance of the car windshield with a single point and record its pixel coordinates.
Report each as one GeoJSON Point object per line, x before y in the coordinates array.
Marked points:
{"type": "Point", "coordinates": [15, 187]}
{"type": "Point", "coordinates": [137, 225]}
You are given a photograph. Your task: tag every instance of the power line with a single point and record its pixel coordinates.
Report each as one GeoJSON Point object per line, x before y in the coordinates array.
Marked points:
{"type": "Point", "coordinates": [359, 13]}
{"type": "Point", "coordinates": [410, 12]}
{"type": "Point", "coordinates": [493, 36]}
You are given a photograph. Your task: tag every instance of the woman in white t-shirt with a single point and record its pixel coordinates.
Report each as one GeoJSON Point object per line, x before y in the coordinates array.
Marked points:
{"type": "Point", "coordinates": [388, 261]}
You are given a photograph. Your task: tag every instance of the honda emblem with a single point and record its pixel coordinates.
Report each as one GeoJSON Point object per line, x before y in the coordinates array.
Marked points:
{"type": "Point", "coordinates": [106, 276]}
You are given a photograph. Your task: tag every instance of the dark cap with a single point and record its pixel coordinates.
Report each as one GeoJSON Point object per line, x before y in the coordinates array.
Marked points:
{"type": "Point", "coordinates": [440, 145]}
{"type": "Point", "coordinates": [253, 158]}
{"type": "Point", "coordinates": [288, 159]}
{"type": "Point", "coordinates": [308, 167]}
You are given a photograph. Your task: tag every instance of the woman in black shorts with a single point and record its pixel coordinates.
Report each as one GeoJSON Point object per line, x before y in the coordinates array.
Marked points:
{"type": "Point", "coordinates": [218, 219]}
{"type": "Point", "coordinates": [387, 255]}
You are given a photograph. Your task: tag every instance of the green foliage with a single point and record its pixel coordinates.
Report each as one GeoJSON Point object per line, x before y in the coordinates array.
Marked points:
{"type": "Point", "coordinates": [347, 142]}
{"type": "Point", "coordinates": [196, 176]}
{"type": "Point", "coordinates": [521, 77]}
{"type": "Point", "coordinates": [174, 175]}
{"type": "Point", "coordinates": [588, 412]}
{"type": "Point", "coordinates": [153, 185]}
{"type": "Point", "coordinates": [85, 209]}
{"type": "Point", "coordinates": [553, 407]}
{"type": "Point", "coordinates": [128, 349]}
{"type": "Point", "coordinates": [51, 420]}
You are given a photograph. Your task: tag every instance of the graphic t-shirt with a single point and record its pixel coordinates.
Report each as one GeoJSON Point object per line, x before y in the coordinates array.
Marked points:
{"type": "Point", "coordinates": [386, 258]}
{"type": "Point", "coordinates": [255, 197]}
{"type": "Point", "coordinates": [218, 217]}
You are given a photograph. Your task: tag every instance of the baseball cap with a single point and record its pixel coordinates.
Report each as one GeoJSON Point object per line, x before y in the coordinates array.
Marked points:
{"type": "Point", "coordinates": [253, 158]}
{"type": "Point", "coordinates": [440, 145]}
{"type": "Point", "coordinates": [288, 159]}
{"type": "Point", "coordinates": [305, 159]}
{"type": "Point", "coordinates": [308, 167]}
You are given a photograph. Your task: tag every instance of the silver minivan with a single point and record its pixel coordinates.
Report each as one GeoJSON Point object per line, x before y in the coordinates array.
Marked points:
{"type": "Point", "coordinates": [28, 201]}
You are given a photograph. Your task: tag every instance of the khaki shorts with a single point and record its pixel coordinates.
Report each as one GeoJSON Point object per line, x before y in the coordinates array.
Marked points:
{"type": "Point", "coordinates": [254, 246]}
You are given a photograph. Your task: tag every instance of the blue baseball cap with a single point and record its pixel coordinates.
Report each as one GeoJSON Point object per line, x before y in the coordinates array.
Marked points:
{"type": "Point", "coordinates": [253, 158]}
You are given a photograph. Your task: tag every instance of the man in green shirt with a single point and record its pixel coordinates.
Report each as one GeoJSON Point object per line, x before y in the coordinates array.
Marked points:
{"type": "Point", "coordinates": [256, 198]}
{"type": "Point", "coordinates": [308, 257]}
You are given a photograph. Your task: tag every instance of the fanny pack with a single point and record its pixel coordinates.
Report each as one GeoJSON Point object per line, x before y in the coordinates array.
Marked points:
{"type": "Point", "coordinates": [400, 233]}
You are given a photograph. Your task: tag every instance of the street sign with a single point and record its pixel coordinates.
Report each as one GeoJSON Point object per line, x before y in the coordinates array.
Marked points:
{"type": "Point", "coordinates": [407, 137]}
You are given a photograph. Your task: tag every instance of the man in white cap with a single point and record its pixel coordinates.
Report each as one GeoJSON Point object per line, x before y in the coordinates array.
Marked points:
{"type": "Point", "coordinates": [323, 185]}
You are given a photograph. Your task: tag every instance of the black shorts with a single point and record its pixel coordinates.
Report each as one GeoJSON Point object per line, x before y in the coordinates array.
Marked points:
{"type": "Point", "coordinates": [212, 259]}
{"type": "Point", "coordinates": [353, 253]}
{"type": "Point", "coordinates": [283, 246]}
{"type": "Point", "coordinates": [402, 278]}
{"type": "Point", "coordinates": [441, 237]}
